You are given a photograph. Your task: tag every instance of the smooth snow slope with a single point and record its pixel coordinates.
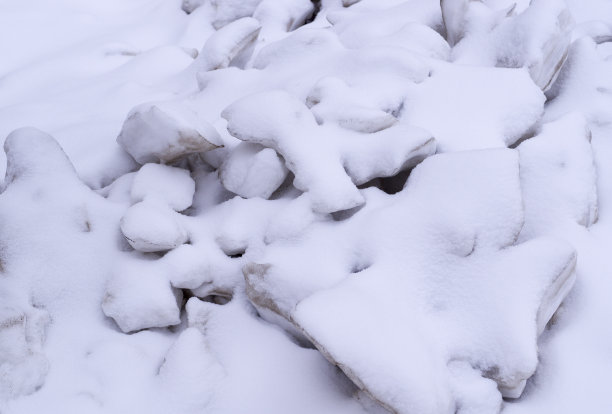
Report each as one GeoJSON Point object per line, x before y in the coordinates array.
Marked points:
{"type": "Point", "coordinates": [272, 206]}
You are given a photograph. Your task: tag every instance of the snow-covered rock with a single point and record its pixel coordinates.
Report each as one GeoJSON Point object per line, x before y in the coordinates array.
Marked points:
{"type": "Point", "coordinates": [252, 170]}
{"type": "Point", "coordinates": [139, 296]}
{"type": "Point", "coordinates": [420, 277]}
{"type": "Point", "coordinates": [165, 132]}
{"type": "Point", "coordinates": [164, 184]}
{"type": "Point", "coordinates": [502, 105]}
{"type": "Point", "coordinates": [558, 176]}
{"type": "Point", "coordinates": [400, 25]}
{"type": "Point", "coordinates": [582, 85]}
{"type": "Point", "coordinates": [227, 43]}
{"type": "Point", "coordinates": [227, 11]}
{"type": "Point", "coordinates": [281, 16]}
{"type": "Point", "coordinates": [327, 161]}
{"type": "Point", "coordinates": [537, 38]}
{"type": "Point", "coordinates": [332, 100]}
{"type": "Point", "coordinates": [152, 227]}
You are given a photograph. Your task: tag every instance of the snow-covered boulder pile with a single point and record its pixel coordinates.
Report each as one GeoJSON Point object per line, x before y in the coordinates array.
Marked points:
{"type": "Point", "coordinates": [427, 278]}
{"type": "Point", "coordinates": [334, 206]}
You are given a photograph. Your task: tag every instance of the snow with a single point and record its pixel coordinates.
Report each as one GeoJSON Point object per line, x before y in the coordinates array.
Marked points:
{"type": "Point", "coordinates": [286, 206]}
{"type": "Point", "coordinates": [173, 186]}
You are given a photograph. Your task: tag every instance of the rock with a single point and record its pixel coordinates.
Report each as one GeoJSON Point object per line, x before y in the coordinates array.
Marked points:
{"type": "Point", "coordinates": [164, 132]}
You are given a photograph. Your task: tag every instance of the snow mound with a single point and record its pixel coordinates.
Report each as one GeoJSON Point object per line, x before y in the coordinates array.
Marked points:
{"type": "Point", "coordinates": [428, 287]}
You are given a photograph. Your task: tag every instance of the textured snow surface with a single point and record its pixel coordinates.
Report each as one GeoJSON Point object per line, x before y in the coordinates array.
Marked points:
{"type": "Point", "coordinates": [294, 206]}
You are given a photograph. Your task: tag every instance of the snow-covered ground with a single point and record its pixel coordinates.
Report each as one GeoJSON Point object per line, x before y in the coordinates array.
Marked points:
{"type": "Point", "coordinates": [286, 206]}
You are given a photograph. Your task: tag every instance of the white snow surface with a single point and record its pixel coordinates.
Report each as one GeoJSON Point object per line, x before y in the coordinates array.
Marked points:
{"type": "Point", "coordinates": [286, 206]}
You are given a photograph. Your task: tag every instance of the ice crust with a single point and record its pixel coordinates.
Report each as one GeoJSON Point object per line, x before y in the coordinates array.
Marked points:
{"type": "Point", "coordinates": [286, 206]}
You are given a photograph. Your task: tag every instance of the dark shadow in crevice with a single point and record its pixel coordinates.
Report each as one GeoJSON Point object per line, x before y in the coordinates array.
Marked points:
{"type": "Point", "coordinates": [317, 9]}
{"type": "Point", "coordinates": [217, 297]}
{"type": "Point", "coordinates": [360, 267]}
{"type": "Point", "coordinates": [234, 253]}
{"type": "Point", "coordinates": [346, 214]}
{"type": "Point", "coordinates": [530, 133]}
{"type": "Point", "coordinates": [286, 188]}
{"type": "Point", "coordinates": [390, 185]}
